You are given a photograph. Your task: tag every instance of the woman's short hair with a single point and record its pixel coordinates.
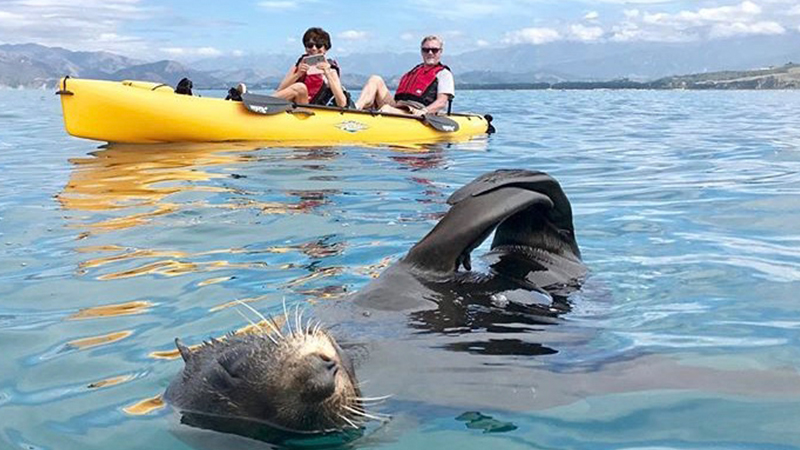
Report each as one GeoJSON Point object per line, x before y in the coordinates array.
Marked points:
{"type": "Point", "coordinates": [431, 37]}
{"type": "Point", "coordinates": [317, 35]}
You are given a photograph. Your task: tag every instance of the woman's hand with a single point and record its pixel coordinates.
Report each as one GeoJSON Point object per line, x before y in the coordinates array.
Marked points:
{"type": "Point", "coordinates": [302, 68]}
{"type": "Point", "coordinates": [324, 66]}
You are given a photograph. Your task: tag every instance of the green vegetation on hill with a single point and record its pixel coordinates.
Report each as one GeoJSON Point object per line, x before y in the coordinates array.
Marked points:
{"type": "Point", "coordinates": [784, 77]}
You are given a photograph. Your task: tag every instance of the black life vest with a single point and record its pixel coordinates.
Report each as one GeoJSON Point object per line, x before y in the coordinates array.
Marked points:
{"type": "Point", "coordinates": [420, 84]}
{"type": "Point", "coordinates": [319, 93]}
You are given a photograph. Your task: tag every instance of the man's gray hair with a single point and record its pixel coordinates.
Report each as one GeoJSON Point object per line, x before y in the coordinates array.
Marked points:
{"type": "Point", "coordinates": [431, 37]}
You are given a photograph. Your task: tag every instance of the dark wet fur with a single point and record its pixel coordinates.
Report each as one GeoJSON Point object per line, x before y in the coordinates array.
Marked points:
{"type": "Point", "coordinates": [251, 377]}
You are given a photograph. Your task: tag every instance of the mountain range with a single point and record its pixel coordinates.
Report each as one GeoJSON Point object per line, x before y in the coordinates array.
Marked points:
{"type": "Point", "coordinates": [33, 65]}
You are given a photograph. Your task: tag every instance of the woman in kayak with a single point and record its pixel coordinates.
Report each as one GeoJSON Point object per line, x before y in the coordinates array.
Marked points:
{"type": "Point", "coordinates": [314, 79]}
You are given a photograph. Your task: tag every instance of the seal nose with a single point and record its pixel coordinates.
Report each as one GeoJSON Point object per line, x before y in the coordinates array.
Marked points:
{"type": "Point", "coordinates": [321, 382]}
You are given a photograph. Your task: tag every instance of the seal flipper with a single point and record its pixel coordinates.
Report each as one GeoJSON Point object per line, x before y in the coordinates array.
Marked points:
{"type": "Point", "coordinates": [186, 352]}
{"type": "Point", "coordinates": [560, 215]}
{"type": "Point", "coordinates": [467, 224]}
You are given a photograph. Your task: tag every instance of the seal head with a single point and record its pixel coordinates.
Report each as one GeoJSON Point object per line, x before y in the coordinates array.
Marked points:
{"type": "Point", "coordinates": [300, 381]}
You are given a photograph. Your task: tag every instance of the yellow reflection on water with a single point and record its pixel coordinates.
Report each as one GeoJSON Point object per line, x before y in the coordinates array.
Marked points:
{"type": "Point", "coordinates": [211, 281]}
{"type": "Point", "coordinates": [109, 382]}
{"type": "Point", "coordinates": [121, 309]}
{"type": "Point", "coordinates": [131, 255]}
{"type": "Point", "coordinates": [145, 406]}
{"type": "Point", "coordinates": [321, 273]}
{"type": "Point", "coordinates": [172, 268]}
{"type": "Point", "coordinates": [141, 176]}
{"type": "Point", "coordinates": [95, 341]}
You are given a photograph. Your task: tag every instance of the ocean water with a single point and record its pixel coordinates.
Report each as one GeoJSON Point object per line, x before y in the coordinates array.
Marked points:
{"type": "Point", "coordinates": [685, 335]}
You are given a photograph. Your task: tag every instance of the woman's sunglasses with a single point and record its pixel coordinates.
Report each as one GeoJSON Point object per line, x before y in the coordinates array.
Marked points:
{"type": "Point", "coordinates": [311, 45]}
{"type": "Point", "coordinates": [433, 50]}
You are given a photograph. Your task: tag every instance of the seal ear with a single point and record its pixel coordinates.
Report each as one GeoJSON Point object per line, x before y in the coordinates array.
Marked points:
{"type": "Point", "coordinates": [186, 352]}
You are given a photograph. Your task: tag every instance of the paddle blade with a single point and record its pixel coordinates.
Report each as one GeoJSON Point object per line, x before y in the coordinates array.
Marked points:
{"type": "Point", "coordinates": [440, 123]}
{"type": "Point", "coordinates": [265, 104]}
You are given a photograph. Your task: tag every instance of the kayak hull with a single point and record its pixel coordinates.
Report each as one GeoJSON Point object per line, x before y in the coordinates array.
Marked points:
{"type": "Point", "coordinates": [142, 112]}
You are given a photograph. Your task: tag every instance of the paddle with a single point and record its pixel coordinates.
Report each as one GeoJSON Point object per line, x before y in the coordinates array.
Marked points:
{"type": "Point", "coordinates": [440, 123]}
{"type": "Point", "coordinates": [265, 104]}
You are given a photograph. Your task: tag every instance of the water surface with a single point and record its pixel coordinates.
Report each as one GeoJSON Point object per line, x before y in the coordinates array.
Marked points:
{"type": "Point", "coordinates": [686, 334]}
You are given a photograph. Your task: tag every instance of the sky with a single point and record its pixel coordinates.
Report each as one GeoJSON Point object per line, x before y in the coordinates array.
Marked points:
{"type": "Point", "coordinates": [189, 30]}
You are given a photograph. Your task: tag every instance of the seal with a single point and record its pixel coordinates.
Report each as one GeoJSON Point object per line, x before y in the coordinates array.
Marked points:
{"type": "Point", "coordinates": [297, 380]}
{"type": "Point", "coordinates": [303, 381]}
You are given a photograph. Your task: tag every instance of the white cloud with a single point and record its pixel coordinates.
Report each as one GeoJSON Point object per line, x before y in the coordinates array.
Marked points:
{"type": "Point", "coordinates": [87, 25]}
{"type": "Point", "coordinates": [739, 28]}
{"type": "Point", "coordinates": [480, 43]}
{"type": "Point", "coordinates": [407, 36]}
{"type": "Point", "coordinates": [237, 53]}
{"type": "Point", "coordinates": [462, 9]}
{"type": "Point", "coordinates": [794, 11]}
{"type": "Point", "coordinates": [9, 17]}
{"type": "Point", "coordinates": [278, 4]}
{"type": "Point", "coordinates": [531, 36]}
{"type": "Point", "coordinates": [631, 13]}
{"type": "Point", "coordinates": [744, 18]}
{"type": "Point", "coordinates": [584, 33]}
{"type": "Point", "coordinates": [191, 51]}
{"type": "Point", "coordinates": [353, 35]}
{"type": "Point", "coordinates": [591, 15]}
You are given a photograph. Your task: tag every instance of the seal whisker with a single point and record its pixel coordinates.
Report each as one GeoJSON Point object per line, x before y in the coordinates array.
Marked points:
{"type": "Point", "coordinates": [309, 322]}
{"type": "Point", "coordinates": [286, 318]}
{"type": "Point", "coordinates": [348, 421]}
{"type": "Point", "coordinates": [364, 412]}
{"type": "Point", "coordinates": [367, 399]}
{"type": "Point", "coordinates": [374, 416]}
{"type": "Point", "coordinates": [261, 316]}
{"type": "Point", "coordinates": [274, 325]}
{"type": "Point", "coordinates": [262, 330]}
{"type": "Point", "coordinates": [298, 319]}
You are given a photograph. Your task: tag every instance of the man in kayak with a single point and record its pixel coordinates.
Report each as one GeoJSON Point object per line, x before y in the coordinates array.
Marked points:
{"type": "Point", "coordinates": [427, 88]}
{"type": "Point", "coordinates": [313, 79]}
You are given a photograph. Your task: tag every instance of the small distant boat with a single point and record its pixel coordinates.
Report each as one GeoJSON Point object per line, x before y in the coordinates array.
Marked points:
{"type": "Point", "coordinates": [142, 112]}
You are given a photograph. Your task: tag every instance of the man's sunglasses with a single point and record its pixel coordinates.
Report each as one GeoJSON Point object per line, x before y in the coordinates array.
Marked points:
{"type": "Point", "coordinates": [433, 50]}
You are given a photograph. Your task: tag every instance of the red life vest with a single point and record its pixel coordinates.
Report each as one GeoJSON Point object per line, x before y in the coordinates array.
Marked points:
{"type": "Point", "coordinates": [318, 91]}
{"type": "Point", "coordinates": [420, 84]}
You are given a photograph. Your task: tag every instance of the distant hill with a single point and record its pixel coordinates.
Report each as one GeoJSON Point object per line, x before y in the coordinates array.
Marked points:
{"type": "Point", "coordinates": [168, 72]}
{"type": "Point", "coordinates": [33, 65]}
{"type": "Point", "coordinates": [556, 65]}
{"type": "Point", "coordinates": [785, 77]}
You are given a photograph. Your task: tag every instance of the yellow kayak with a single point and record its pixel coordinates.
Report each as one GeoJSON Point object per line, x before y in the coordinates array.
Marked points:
{"type": "Point", "coordinates": [142, 112]}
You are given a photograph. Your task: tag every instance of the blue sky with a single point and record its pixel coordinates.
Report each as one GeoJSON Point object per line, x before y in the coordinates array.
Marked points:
{"type": "Point", "coordinates": [189, 30]}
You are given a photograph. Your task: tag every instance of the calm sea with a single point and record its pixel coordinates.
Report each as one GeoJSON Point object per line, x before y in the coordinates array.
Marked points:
{"type": "Point", "coordinates": [686, 334]}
